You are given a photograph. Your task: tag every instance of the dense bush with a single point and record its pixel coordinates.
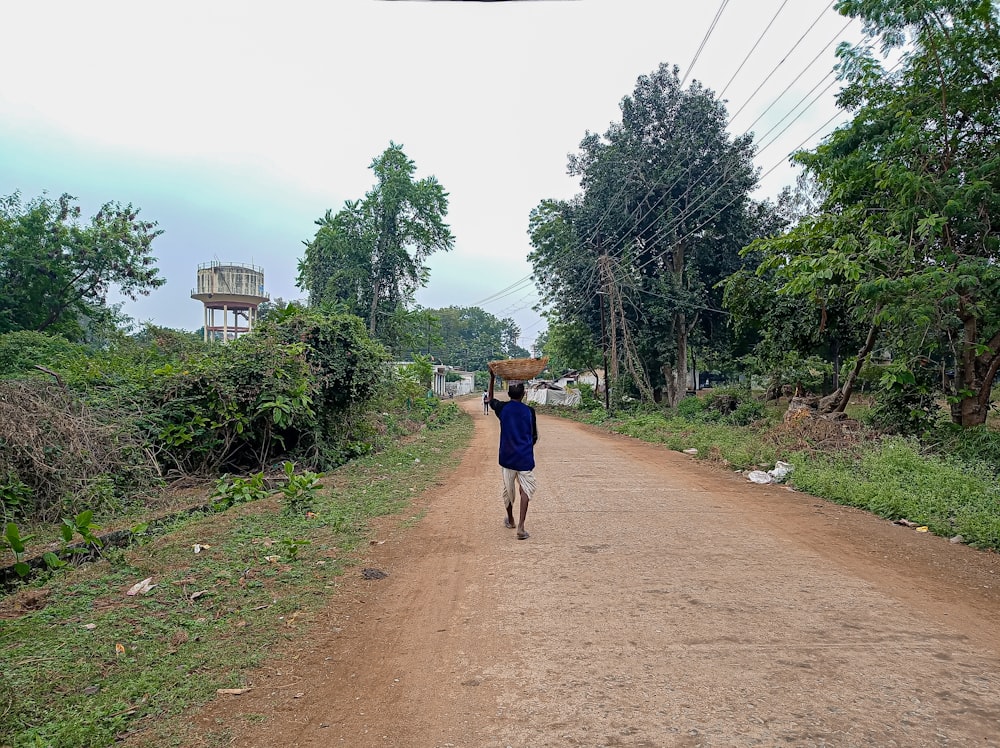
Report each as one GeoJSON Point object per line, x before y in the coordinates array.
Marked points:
{"type": "Point", "coordinates": [732, 405]}
{"type": "Point", "coordinates": [296, 388]}
{"type": "Point", "coordinates": [233, 408]}
{"type": "Point", "coordinates": [163, 403]}
{"type": "Point", "coordinates": [21, 352]}
{"type": "Point", "coordinates": [59, 456]}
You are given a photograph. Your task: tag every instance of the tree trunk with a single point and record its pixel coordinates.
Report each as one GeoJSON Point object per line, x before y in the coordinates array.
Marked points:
{"type": "Point", "coordinates": [974, 377]}
{"type": "Point", "coordinates": [670, 387]}
{"type": "Point", "coordinates": [675, 374]}
{"type": "Point", "coordinates": [837, 401]}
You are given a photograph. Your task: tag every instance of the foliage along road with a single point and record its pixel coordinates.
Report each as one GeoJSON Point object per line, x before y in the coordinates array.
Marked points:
{"type": "Point", "coordinates": [659, 602]}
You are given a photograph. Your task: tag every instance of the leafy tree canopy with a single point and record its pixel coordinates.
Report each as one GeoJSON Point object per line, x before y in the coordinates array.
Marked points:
{"type": "Point", "coordinates": [907, 233]}
{"type": "Point", "coordinates": [368, 258]}
{"type": "Point", "coordinates": [464, 337]}
{"type": "Point", "coordinates": [661, 219]}
{"type": "Point", "coordinates": [56, 270]}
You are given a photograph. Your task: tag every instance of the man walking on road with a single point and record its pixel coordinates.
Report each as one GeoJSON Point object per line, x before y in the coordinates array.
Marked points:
{"type": "Point", "coordinates": [518, 434]}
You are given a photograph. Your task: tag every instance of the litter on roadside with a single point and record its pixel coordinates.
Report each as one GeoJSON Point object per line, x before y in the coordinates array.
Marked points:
{"type": "Point", "coordinates": [777, 474]}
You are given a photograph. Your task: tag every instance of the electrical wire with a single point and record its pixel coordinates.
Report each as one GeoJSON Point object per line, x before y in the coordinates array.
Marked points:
{"type": "Point", "coordinates": [521, 283]}
{"type": "Point", "coordinates": [704, 41]}
{"type": "Point", "coordinates": [753, 49]}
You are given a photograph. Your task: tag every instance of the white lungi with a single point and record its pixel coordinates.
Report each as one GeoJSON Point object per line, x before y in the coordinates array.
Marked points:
{"type": "Point", "coordinates": [525, 477]}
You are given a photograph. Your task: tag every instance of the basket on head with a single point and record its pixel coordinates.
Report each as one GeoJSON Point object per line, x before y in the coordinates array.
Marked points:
{"type": "Point", "coordinates": [519, 368]}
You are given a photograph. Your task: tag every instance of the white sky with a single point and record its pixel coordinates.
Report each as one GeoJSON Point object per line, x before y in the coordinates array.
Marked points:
{"type": "Point", "coordinates": [236, 125]}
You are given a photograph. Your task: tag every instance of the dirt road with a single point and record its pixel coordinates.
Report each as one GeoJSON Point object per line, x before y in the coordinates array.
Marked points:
{"type": "Point", "coordinates": [659, 602]}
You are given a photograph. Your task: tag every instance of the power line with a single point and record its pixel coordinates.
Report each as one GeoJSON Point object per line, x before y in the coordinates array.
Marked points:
{"type": "Point", "coordinates": [769, 107]}
{"type": "Point", "coordinates": [782, 61]}
{"type": "Point", "coordinates": [678, 220]}
{"type": "Point", "coordinates": [753, 49]}
{"type": "Point", "coordinates": [522, 283]}
{"type": "Point", "coordinates": [711, 28]}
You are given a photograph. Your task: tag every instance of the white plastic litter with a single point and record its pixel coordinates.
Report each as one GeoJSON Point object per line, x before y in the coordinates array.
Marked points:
{"type": "Point", "coordinates": [759, 476]}
{"type": "Point", "coordinates": [780, 471]}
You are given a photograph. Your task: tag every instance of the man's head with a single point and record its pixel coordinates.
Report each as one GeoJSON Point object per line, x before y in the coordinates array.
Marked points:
{"type": "Point", "coordinates": [516, 391]}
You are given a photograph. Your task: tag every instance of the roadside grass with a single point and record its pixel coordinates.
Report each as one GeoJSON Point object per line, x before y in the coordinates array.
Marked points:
{"type": "Point", "coordinates": [85, 665]}
{"type": "Point", "coordinates": [948, 483]}
{"type": "Point", "coordinates": [892, 478]}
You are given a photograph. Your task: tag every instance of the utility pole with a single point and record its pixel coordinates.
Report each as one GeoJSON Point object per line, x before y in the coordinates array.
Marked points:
{"type": "Point", "coordinates": [604, 350]}
{"type": "Point", "coordinates": [604, 337]}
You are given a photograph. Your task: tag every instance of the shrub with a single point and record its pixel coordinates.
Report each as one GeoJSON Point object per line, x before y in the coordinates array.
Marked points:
{"type": "Point", "coordinates": [21, 351]}
{"type": "Point", "coordinates": [588, 397]}
{"type": "Point", "coordinates": [905, 402]}
{"type": "Point", "coordinates": [230, 491]}
{"type": "Point", "coordinates": [60, 455]}
{"type": "Point", "coordinates": [235, 407]}
{"type": "Point", "coordinates": [691, 408]}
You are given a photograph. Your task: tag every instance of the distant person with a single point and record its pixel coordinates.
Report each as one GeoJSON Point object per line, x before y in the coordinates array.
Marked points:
{"type": "Point", "coordinates": [518, 434]}
{"type": "Point", "coordinates": [486, 403]}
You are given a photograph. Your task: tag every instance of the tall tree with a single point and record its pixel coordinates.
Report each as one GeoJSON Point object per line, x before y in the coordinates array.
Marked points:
{"type": "Point", "coordinates": [908, 232]}
{"type": "Point", "coordinates": [56, 270]}
{"type": "Point", "coordinates": [369, 258]}
{"type": "Point", "coordinates": [665, 205]}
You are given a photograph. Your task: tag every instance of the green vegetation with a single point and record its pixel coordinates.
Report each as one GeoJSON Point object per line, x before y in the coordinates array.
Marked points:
{"type": "Point", "coordinates": [896, 480]}
{"type": "Point", "coordinates": [86, 664]}
{"type": "Point", "coordinates": [56, 270]}
{"type": "Point", "coordinates": [120, 419]}
{"type": "Point", "coordinates": [368, 259]}
{"type": "Point", "coordinates": [879, 270]}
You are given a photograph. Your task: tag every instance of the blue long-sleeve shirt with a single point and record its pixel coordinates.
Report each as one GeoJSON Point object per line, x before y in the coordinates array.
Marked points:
{"type": "Point", "coordinates": [518, 434]}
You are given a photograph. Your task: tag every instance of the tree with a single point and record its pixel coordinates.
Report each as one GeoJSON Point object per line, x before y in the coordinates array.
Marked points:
{"type": "Point", "coordinates": [465, 337]}
{"type": "Point", "coordinates": [786, 337]}
{"type": "Point", "coordinates": [570, 346]}
{"type": "Point", "coordinates": [907, 234]}
{"type": "Point", "coordinates": [368, 259]}
{"type": "Point", "coordinates": [661, 221]}
{"type": "Point", "coordinates": [56, 271]}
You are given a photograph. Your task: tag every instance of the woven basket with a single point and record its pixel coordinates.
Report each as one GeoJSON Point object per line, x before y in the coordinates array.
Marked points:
{"type": "Point", "coordinates": [519, 368]}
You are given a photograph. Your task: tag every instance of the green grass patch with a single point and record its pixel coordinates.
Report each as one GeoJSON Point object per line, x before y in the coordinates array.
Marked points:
{"type": "Point", "coordinates": [84, 664]}
{"type": "Point", "coordinates": [737, 446]}
{"type": "Point", "coordinates": [893, 479]}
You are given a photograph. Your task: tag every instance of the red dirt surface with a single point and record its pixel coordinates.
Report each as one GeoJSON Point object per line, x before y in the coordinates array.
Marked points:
{"type": "Point", "coordinates": [659, 601]}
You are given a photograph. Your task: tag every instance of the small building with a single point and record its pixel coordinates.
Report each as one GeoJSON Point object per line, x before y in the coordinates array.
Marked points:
{"type": "Point", "coordinates": [576, 376]}
{"type": "Point", "coordinates": [547, 393]}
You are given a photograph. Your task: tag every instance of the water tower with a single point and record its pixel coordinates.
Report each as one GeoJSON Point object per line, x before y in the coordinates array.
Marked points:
{"type": "Point", "coordinates": [235, 290]}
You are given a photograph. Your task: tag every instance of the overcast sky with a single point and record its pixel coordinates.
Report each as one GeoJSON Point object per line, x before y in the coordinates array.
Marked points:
{"type": "Point", "coordinates": [235, 125]}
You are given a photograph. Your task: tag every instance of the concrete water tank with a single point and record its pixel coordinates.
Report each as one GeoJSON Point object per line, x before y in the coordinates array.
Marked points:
{"type": "Point", "coordinates": [230, 293]}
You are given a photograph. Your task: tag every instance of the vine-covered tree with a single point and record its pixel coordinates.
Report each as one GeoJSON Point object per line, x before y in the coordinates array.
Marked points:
{"type": "Point", "coordinates": [908, 233]}
{"type": "Point", "coordinates": [56, 270]}
{"type": "Point", "coordinates": [368, 258]}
